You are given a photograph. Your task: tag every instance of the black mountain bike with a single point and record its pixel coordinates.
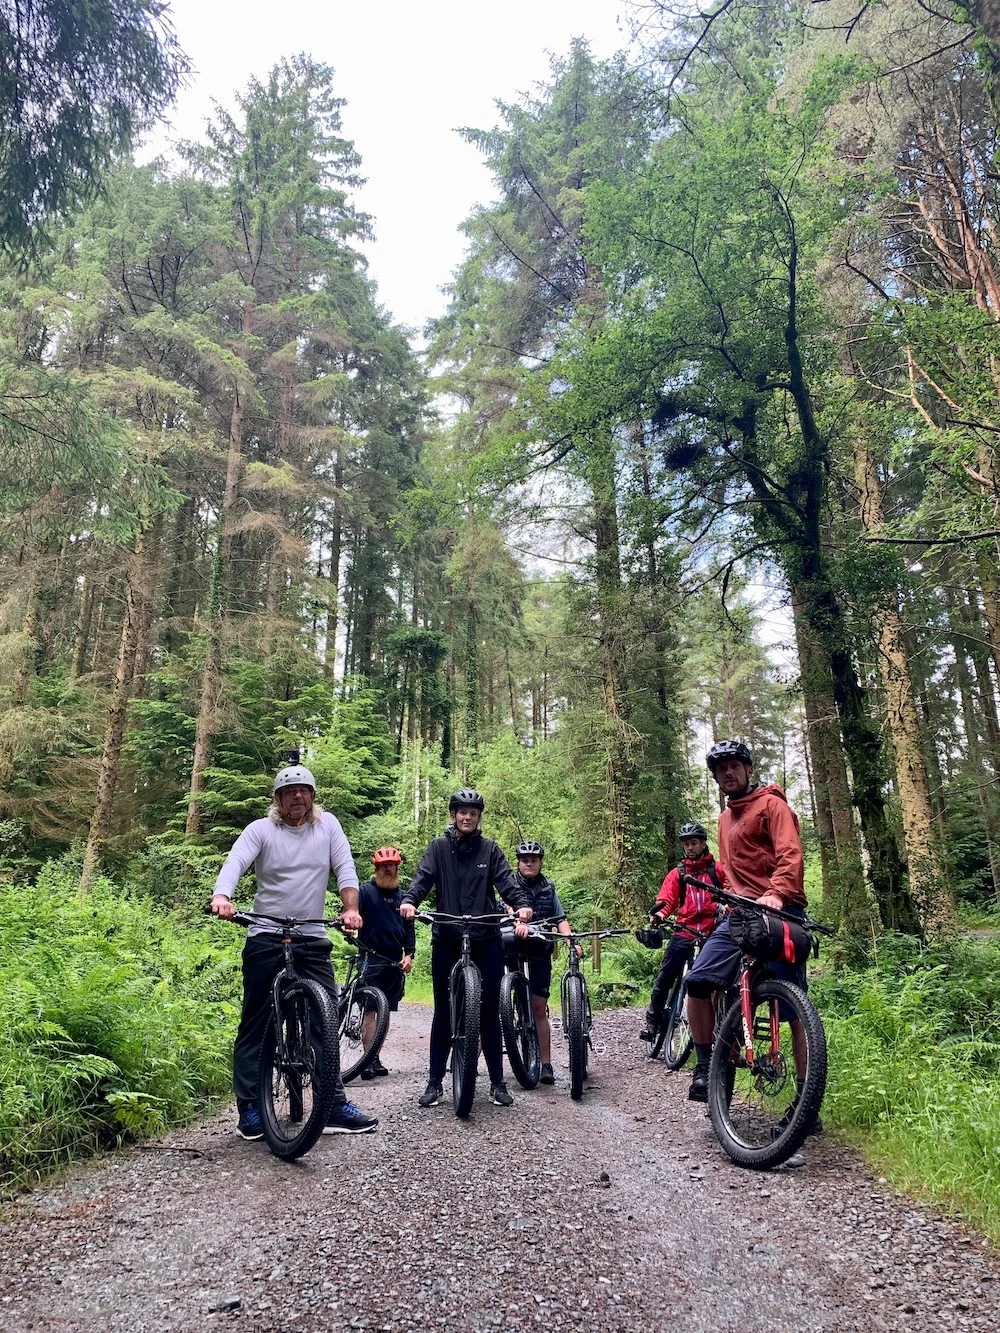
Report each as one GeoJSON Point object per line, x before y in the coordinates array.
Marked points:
{"type": "Point", "coordinates": [672, 1040]}
{"type": "Point", "coordinates": [358, 997]}
{"type": "Point", "coordinates": [465, 989]}
{"type": "Point", "coordinates": [762, 1099]}
{"type": "Point", "coordinates": [517, 1016]}
{"type": "Point", "coordinates": [577, 1015]}
{"type": "Point", "coordinates": [299, 1058]}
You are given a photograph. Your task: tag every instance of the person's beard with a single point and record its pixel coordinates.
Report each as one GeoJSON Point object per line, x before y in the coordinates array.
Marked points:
{"type": "Point", "coordinates": [385, 881]}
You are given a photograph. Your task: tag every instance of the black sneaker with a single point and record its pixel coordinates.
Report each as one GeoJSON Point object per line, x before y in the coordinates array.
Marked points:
{"type": "Point", "coordinates": [547, 1075]}
{"type": "Point", "coordinates": [499, 1095]}
{"type": "Point", "coordinates": [698, 1091]}
{"type": "Point", "coordinates": [652, 1028]}
{"type": "Point", "coordinates": [249, 1126]}
{"type": "Point", "coordinates": [367, 1074]}
{"type": "Point", "coordinates": [432, 1095]}
{"type": "Point", "coordinates": [348, 1119]}
{"type": "Point", "coordinates": [378, 1069]}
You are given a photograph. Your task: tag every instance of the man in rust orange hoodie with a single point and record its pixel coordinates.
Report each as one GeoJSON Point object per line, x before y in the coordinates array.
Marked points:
{"type": "Point", "coordinates": [760, 846]}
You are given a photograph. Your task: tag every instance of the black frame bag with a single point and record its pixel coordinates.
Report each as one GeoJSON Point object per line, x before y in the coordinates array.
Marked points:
{"type": "Point", "coordinates": [769, 938]}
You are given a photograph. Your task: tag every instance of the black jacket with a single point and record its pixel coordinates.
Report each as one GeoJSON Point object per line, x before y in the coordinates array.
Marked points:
{"type": "Point", "coordinates": [384, 930]}
{"type": "Point", "coordinates": [467, 872]}
{"type": "Point", "coordinates": [543, 899]}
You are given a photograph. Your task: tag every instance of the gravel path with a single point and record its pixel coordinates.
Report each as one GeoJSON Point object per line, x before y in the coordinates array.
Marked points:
{"type": "Point", "coordinates": [619, 1212]}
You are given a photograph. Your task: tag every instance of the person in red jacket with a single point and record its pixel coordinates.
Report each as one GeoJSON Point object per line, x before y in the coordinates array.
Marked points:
{"type": "Point", "coordinates": [760, 845]}
{"type": "Point", "coordinates": [696, 914]}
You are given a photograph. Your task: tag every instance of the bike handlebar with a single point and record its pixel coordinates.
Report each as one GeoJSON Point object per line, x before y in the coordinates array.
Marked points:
{"type": "Point", "coordinates": [735, 900]}
{"type": "Point", "coordinates": [429, 918]}
{"type": "Point", "coordinates": [291, 924]}
{"type": "Point", "coordinates": [244, 918]}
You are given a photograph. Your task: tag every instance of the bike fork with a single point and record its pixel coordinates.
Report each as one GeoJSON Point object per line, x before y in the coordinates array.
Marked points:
{"type": "Point", "coordinates": [746, 1013]}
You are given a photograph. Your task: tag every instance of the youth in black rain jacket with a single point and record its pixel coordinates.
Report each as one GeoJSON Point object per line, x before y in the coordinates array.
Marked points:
{"type": "Point", "coordinates": [467, 871]}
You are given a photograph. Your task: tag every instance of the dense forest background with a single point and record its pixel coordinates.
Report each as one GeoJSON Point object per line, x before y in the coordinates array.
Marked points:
{"type": "Point", "coordinates": [730, 321]}
{"type": "Point", "coordinates": [705, 445]}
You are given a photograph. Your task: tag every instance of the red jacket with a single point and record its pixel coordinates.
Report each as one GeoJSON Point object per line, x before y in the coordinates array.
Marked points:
{"type": "Point", "coordinates": [759, 838]}
{"type": "Point", "coordinates": [698, 910]}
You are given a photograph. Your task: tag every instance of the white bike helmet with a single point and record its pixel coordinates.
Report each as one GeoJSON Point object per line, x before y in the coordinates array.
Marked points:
{"type": "Point", "coordinates": [293, 776]}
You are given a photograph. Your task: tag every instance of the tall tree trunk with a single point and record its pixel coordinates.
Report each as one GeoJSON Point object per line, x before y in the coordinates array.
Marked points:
{"type": "Point", "coordinates": [218, 601]}
{"type": "Point", "coordinates": [928, 875]}
{"type": "Point", "coordinates": [834, 809]}
{"type": "Point", "coordinates": [140, 583]}
{"type": "Point", "coordinates": [82, 634]}
{"type": "Point", "coordinates": [987, 790]}
{"type": "Point", "coordinates": [619, 766]}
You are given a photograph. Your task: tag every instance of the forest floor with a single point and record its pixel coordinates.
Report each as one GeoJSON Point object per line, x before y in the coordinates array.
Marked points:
{"type": "Point", "coordinates": [617, 1212]}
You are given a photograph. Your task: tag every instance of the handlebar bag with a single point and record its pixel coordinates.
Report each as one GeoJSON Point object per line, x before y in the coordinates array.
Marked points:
{"type": "Point", "coordinates": [651, 937]}
{"type": "Point", "coordinates": [769, 938]}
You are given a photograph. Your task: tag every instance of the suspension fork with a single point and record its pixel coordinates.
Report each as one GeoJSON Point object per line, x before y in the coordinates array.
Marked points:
{"type": "Point", "coordinates": [283, 978]}
{"type": "Point", "coordinates": [746, 1012]}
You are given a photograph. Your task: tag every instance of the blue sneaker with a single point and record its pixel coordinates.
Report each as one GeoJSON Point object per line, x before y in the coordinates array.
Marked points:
{"type": "Point", "coordinates": [347, 1119]}
{"type": "Point", "coordinates": [249, 1126]}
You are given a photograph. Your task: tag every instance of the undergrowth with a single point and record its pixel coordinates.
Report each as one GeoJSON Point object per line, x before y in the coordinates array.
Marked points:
{"type": "Point", "coordinates": [915, 1070]}
{"type": "Point", "coordinates": [117, 1019]}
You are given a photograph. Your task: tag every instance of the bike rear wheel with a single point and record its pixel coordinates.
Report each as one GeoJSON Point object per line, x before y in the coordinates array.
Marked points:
{"type": "Point", "coordinates": [758, 1113]}
{"type": "Point", "coordinates": [299, 1065]}
{"type": "Point", "coordinates": [466, 1003]}
{"type": "Point", "coordinates": [520, 1034]}
{"type": "Point", "coordinates": [353, 1006]}
{"type": "Point", "coordinates": [677, 1031]}
{"type": "Point", "coordinates": [576, 1035]}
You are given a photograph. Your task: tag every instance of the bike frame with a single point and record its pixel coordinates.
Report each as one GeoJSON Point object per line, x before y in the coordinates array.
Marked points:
{"type": "Point", "coordinates": [751, 968]}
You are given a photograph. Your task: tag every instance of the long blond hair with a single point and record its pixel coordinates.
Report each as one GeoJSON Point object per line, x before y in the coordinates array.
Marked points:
{"type": "Point", "coordinates": [276, 817]}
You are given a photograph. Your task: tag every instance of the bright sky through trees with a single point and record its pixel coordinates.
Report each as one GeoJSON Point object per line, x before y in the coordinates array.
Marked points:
{"type": "Point", "coordinates": [411, 74]}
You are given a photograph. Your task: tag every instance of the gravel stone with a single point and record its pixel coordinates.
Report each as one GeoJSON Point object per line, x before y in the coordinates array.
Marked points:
{"type": "Point", "coordinates": [618, 1212]}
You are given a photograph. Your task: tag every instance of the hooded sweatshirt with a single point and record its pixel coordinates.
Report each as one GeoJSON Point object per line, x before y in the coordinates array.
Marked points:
{"type": "Point", "coordinates": [760, 846]}
{"type": "Point", "coordinates": [697, 912]}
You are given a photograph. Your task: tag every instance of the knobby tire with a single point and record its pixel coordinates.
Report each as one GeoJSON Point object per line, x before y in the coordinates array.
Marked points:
{"type": "Point", "coordinates": [520, 1035]}
{"type": "Point", "coordinates": [353, 1056]}
{"type": "Point", "coordinates": [295, 1090]}
{"type": "Point", "coordinates": [677, 1031]}
{"type": "Point", "coordinates": [734, 1091]}
{"type": "Point", "coordinates": [576, 1035]}
{"type": "Point", "coordinates": [466, 1003]}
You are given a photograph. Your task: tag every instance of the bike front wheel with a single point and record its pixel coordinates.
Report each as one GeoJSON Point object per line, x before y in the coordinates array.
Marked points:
{"type": "Point", "coordinates": [576, 1035]}
{"type": "Point", "coordinates": [299, 1065]}
{"type": "Point", "coordinates": [677, 1031]}
{"type": "Point", "coordinates": [520, 1035]}
{"type": "Point", "coordinates": [759, 1112]}
{"type": "Point", "coordinates": [354, 1056]}
{"type": "Point", "coordinates": [466, 1003]}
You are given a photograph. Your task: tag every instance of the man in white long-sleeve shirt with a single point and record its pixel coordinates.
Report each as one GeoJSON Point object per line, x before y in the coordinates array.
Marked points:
{"type": "Point", "coordinates": [292, 851]}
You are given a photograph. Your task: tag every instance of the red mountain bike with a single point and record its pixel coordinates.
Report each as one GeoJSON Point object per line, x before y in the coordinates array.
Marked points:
{"type": "Point", "coordinates": [769, 1061]}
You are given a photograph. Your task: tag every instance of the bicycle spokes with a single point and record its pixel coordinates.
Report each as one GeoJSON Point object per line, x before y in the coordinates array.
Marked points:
{"type": "Point", "coordinates": [293, 1071]}
{"type": "Point", "coordinates": [762, 1090]}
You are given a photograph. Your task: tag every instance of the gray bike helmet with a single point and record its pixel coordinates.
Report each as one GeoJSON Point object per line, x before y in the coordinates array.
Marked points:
{"type": "Point", "coordinates": [530, 848]}
{"type": "Point", "coordinates": [466, 796]}
{"type": "Point", "coordinates": [729, 750]}
{"type": "Point", "coordinates": [294, 776]}
{"type": "Point", "coordinates": [692, 830]}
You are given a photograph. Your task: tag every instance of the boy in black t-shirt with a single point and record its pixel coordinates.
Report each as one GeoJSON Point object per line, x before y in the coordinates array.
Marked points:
{"type": "Point", "coordinates": [385, 932]}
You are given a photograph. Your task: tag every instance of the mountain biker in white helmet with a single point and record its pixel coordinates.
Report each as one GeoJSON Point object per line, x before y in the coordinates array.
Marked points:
{"type": "Point", "coordinates": [292, 851]}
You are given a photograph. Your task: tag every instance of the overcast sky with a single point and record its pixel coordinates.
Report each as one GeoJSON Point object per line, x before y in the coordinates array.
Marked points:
{"type": "Point", "coordinates": [411, 73]}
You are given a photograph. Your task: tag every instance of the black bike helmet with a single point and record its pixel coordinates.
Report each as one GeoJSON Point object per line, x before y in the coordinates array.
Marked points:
{"type": "Point", "coordinates": [466, 796]}
{"type": "Point", "coordinates": [530, 848]}
{"type": "Point", "coordinates": [729, 750]}
{"type": "Point", "coordinates": [692, 831]}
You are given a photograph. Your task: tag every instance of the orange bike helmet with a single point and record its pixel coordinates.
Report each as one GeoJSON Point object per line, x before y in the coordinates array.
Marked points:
{"type": "Point", "coordinates": [387, 856]}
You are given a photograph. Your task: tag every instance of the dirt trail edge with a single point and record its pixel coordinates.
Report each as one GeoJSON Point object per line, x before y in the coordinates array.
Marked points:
{"type": "Point", "coordinates": [618, 1212]}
